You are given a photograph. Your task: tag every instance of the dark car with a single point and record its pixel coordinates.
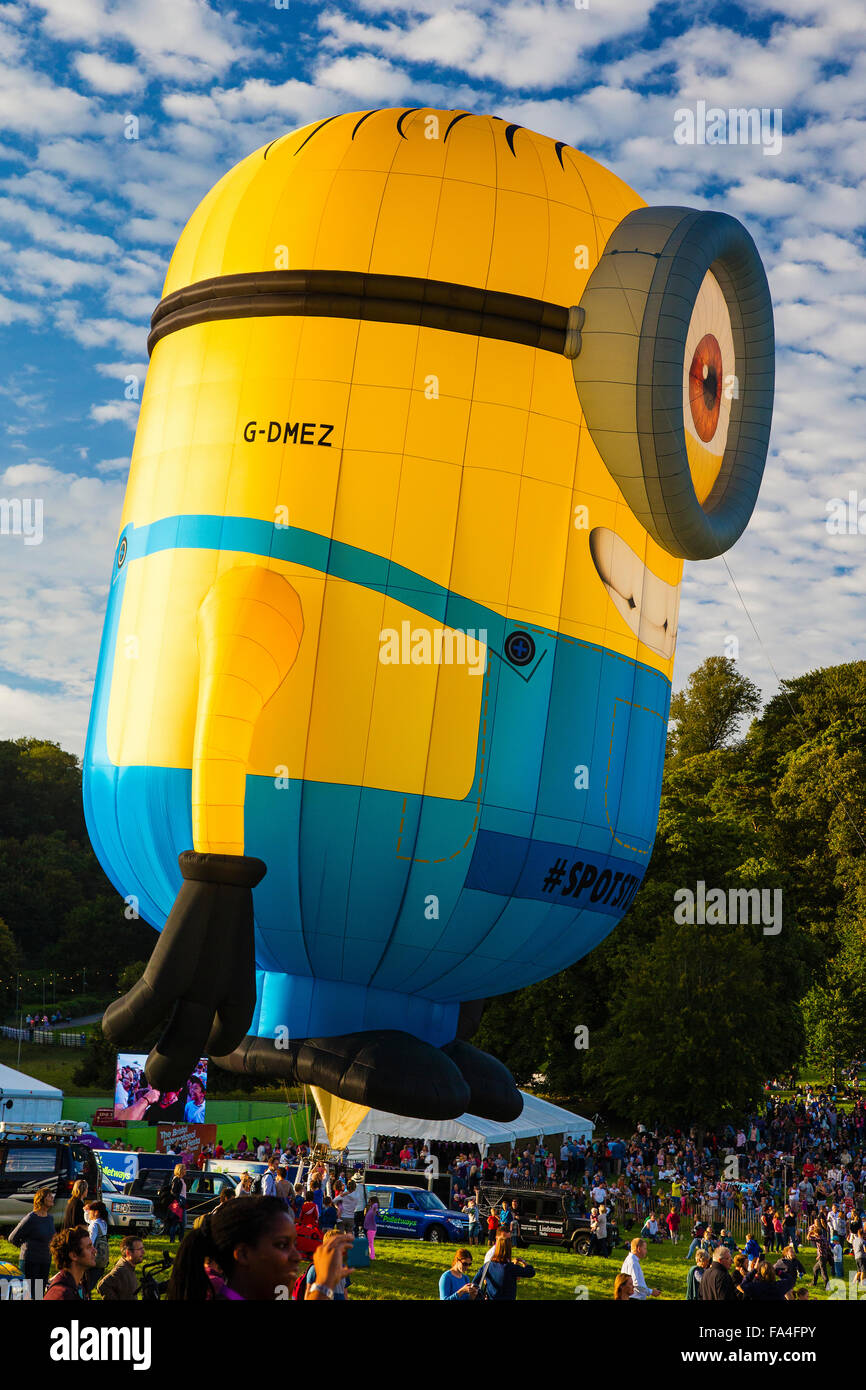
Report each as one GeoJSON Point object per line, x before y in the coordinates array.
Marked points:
{"type": "Point", "coordinates": [37, 1155]}
{"type": "Point", "coordinates": [548, 1218]}
{"type": "Point", "coordinates": [203, 1190]}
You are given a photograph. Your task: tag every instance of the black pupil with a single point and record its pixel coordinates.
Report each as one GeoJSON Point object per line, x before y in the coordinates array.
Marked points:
{"type": "Point", "coordinates": [710, 388]}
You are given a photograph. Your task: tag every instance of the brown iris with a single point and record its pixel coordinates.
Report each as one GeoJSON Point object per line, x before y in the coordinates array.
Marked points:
{"type": "Point", "coordinates": [705, 387]}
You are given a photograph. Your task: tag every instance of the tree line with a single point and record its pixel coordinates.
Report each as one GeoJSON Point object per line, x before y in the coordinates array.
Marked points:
{"type": "Point", "coordinates": [686, 1021]}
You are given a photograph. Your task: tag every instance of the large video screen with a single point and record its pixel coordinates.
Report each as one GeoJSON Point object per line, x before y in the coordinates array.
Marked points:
{"type": "Point", "coordinates": [136, 1099]}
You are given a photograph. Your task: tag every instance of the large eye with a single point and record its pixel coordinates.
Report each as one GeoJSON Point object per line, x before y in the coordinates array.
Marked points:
{"type": "Point", "coordinates": [675, 374]}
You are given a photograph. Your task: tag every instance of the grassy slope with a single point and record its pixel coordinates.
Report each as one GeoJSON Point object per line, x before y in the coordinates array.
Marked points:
{"type": "Point", "coordinates": [410, 1270]}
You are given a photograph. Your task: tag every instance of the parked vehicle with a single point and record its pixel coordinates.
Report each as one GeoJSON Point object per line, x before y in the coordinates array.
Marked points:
{"type": "Point", "coordinates": [413, 1213]}
{"type": "Point", "coordinates": [203, 1190]}
{"type": "Point", "coordinates": [548, 1218]}
{"type": "Point", "coordinates": [126, 1213]}
{"type": "Point", "coordinates": [43, 1155]}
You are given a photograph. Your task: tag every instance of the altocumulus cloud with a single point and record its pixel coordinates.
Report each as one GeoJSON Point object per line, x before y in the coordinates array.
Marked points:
{"type": "Point", "coordinates": [88, 219]}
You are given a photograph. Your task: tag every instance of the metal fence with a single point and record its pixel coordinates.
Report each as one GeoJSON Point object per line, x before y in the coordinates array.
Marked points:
{"type": "Point", "coordinates": [44, 1035]}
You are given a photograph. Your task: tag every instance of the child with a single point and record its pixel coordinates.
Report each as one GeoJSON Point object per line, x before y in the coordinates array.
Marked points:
{"type": "Point", "coordinates": [328, 1219]}
{"type": "Point", "coordinates": [836, 1252]}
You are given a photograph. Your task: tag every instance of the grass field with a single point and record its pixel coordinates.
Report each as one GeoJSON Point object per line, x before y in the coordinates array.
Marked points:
{"type": "Point", "coordinates": [53, 1065]}
{"type": "Point", "coordinates": [410, 1270]}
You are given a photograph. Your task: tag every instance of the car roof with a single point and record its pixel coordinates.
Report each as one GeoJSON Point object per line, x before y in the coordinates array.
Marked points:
{"type": "Point", "coordinates": [393, 1187]}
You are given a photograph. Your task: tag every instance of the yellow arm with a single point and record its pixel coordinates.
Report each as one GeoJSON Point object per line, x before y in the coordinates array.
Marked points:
{"type": "Point", "coordinates": [250, 625]}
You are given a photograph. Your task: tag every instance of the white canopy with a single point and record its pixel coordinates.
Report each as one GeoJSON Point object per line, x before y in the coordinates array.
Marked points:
{"type": "Point", "coordinates": [537, 1119]}
{"type": "Point", "coordinates": [31, 1099]}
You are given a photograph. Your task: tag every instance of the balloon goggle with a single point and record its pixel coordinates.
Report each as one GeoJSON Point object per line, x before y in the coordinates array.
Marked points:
{"type": "Point", "coordinates": [672, 349]}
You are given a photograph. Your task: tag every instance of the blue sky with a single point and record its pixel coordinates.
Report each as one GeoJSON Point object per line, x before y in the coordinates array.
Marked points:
{"type": "Point", "coordinates": [88, 221]}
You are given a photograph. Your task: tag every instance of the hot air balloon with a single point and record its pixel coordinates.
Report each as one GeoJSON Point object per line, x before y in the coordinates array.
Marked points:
{"type": "Point", "coordinates": [436, 408]}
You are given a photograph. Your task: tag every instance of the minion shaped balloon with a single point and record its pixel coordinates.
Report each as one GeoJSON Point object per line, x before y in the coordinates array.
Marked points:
{"type": "Point", "coordinates": [436, 409]}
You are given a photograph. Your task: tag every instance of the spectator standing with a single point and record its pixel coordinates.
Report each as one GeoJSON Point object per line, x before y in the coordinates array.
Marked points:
{"type": "Point", "coordinates": [474, 1228]}
{"type": "Point", "coordinates": [696, 1274]}
{"type": "Point", "coordinates": [717, 1285]}
{"type": "Point", "coordinates": [74, 1213]}
{"type": "Point", "coordinates": [632, 1265]}
{"type": "Point", "coordinates": [33, 1235]}
{"type": "Point", "coordinates": [121, 1284]}
{"type": "Point", "coordinates": [455, 1285]}
{"type": "Point", "coordinates": [765, 1286]}
{"type": "Point", "coordinates": [73, 1253]}
{"type": "Point", "coordinates": [498, 1276]}
{"type": "Point", "coordinates": [818, 1234]}
{"type": "Point", "coordinates": [371, 1216]}
{"type": "Point", "coordinates": [672, 1221]}
{"type": "Point", "coordinates": [269, 1180]}
{"type": "Point", "coordinates": [837, 1253]}
{"type": "Point", "coordinates": [176, 1209]}
{"type": "Point", "coordinates": [96, 1217]}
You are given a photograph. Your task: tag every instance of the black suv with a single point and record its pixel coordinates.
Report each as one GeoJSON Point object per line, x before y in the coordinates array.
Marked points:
{"type": "Point", "coordinates": [203, 1190]}
{"type": "Point", "coordinates": [34, 1156]}
{"type": "Point", "coordinates": [547, 1218]}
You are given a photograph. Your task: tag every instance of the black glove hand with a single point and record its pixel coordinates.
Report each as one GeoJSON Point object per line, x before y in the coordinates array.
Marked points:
{"type": "Point", "coordinates": [201, 975]}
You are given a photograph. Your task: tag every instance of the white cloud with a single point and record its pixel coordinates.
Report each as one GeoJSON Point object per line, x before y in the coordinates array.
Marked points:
{"type": "Point", "coordinates": [114, 79]}
{"type": "Point", "coordinates": [184, 40]}
{"type": "Point", "coordinates": [31, 104]}
{"type": "Point", "coordinates": [54, 602]}
{"type": "Point", "coordinates": [30, 475]}
{"type": "Point", "coordinates": [118, 465]}
{"type": "Point", "coordinates": [10, 312]}
{"type": "Point", "coordinates": [120, 370]}
{"type": "Point", "coordinates": [125, 411]}
{"type": "Point", "coordinates": [366, 77]}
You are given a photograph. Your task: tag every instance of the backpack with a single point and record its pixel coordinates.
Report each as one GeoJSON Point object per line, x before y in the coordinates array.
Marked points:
{"type": "Point", "coordinates": [101, 1247]}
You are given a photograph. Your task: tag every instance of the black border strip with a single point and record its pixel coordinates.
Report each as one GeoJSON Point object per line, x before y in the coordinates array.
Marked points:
{"type": "Point", "coordinates": [354, 295]}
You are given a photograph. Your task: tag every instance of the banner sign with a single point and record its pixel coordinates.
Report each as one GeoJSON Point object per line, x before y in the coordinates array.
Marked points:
{"type": "Point", "coordinates": [120, 1167]}
{"type": "Point", "coordinates": [185, 1139]}
{"type": "Point", "coordinates": [105, 1116]}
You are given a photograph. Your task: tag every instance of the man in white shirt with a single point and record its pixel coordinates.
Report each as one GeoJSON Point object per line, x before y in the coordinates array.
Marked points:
{"type": "Point", "coordinates": [631, 1265]}
{"type": "Point", "coordinates": [347, 1204]}
{"type": "Point", "coordinates": [599, 1194]}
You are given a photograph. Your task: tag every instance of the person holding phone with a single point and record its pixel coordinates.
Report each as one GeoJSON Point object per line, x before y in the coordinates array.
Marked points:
{"type": "Point", "coordinates": [455, 1285]}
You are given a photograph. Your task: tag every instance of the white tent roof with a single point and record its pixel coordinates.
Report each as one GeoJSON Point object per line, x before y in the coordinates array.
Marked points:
{"type": "Point", "coordinates": [539, 1117]}
{"type": "Point", "coordinates": [16, 1083]}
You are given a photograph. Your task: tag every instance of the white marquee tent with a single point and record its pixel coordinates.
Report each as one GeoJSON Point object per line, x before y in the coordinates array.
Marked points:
{"type": "Point", "coordinates": [32, 1100]}
{"type": "Point", "coordinates": [539, 1118]}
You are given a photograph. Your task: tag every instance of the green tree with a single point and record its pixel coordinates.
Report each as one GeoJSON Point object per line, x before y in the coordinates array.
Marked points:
{"type": "Point", "coordinates": [98, 1063]}
{"type": "Point", "coordinates": [834, 1013]}
{"type": "Point", "coordinates": [693, 1032]}
{"type": "Point", "coordinates": [130, 975]}
{"type": "Point", "coordinates": [10, 961]}
{"type": "Point", "coordinates": [708, 713]}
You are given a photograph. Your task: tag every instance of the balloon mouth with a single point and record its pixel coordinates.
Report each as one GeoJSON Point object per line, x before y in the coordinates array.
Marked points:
{"type": "Point", "coordinates": [648, 605]}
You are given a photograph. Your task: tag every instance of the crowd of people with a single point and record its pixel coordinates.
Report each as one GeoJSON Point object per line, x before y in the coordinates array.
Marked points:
{"type": "Point", "coordinates": [788, 1161]}
{"type": "Point", "coordinates": [793, 1174]}
{"type": "Point", "coordinates": [281, 1226]}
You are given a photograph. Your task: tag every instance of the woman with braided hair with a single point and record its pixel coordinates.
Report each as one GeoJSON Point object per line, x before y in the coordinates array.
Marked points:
{"type": "Point", "coordinates": [250, 1249]}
